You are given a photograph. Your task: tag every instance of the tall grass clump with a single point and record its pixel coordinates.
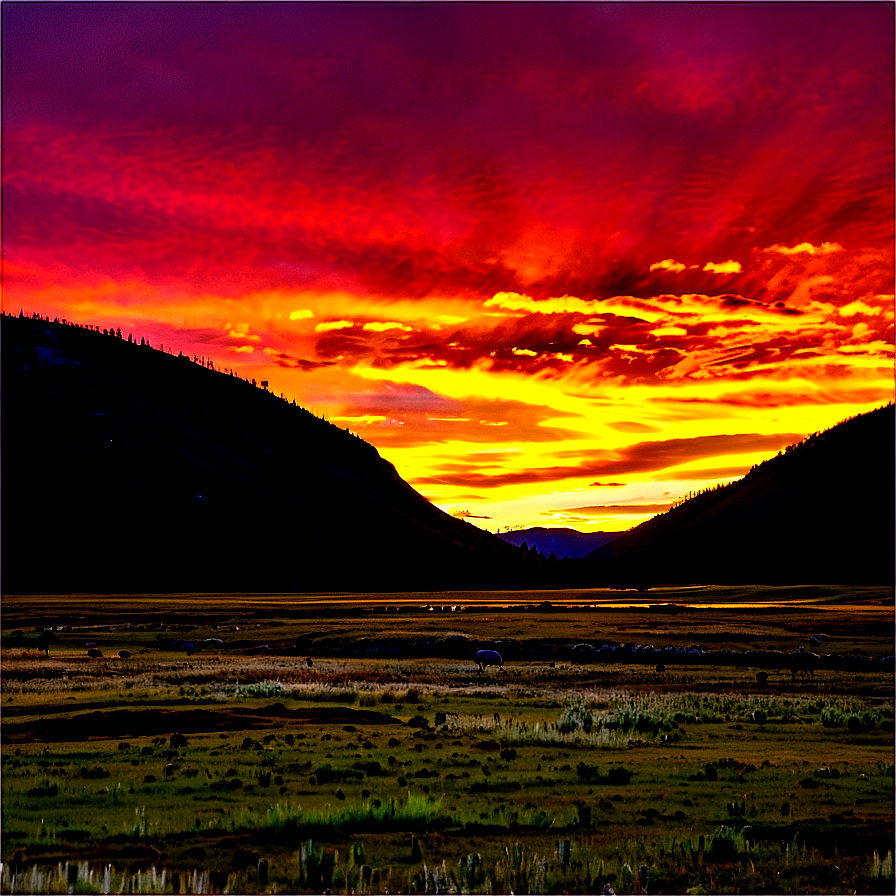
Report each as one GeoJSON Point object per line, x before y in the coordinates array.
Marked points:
{"type": "Point", "coordinates": [288, 820]}
{"type": "Point", "coordinates": [256, 689]}
{"type": "Point", "coordinates": [882, 869]}
{"type": "Point", "coordinates": [80, 877]}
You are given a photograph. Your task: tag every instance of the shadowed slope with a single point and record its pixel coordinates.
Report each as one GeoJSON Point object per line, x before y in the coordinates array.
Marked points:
{"type": "Point", "coordinates": [128, 469]}
{"type": "Point", "coordinates": [821, 511]}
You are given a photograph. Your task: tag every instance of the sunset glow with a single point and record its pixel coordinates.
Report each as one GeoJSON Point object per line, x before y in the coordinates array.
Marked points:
{"type": "Point", "coordinates": [561, 264]}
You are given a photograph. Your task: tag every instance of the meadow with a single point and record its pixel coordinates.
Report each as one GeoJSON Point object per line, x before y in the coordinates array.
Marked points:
{"type": "Point", "coordinates": [633, 743]}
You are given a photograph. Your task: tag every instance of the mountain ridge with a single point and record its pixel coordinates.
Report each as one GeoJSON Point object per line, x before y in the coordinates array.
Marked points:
{"type": "Point", "coordinates": [563, 542]}
{"type": "Point", "coordinates": [777, 523]}
{"type": "Point", "coordinates": [132, 469]}
{"type": "Point", "coordinates": [127, 469]}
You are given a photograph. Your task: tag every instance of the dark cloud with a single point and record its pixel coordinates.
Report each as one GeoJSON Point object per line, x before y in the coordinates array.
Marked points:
{"type": "Point", "coordinates": [284, 359]}
{"type": "Point", "coordinates": [643, 457]}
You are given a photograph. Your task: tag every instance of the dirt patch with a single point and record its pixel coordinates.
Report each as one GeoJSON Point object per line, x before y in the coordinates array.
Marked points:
{"type": "Point", "coordinates": [121, 723]}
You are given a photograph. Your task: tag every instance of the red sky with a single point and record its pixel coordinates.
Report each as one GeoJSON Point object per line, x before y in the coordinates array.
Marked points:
{"type": "Point", "coordinates": [561, 264]}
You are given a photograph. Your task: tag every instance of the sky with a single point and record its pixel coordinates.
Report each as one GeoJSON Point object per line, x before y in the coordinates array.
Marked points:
{"type": "Point", "coordinates": [561, 264]}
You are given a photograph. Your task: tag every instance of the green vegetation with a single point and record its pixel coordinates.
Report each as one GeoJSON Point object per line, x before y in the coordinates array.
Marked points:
{"type": "Point", "coordinates": [257, 772]}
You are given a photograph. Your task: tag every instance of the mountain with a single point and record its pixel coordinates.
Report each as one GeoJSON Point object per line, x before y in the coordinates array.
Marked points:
{"type": "Point", "coordinates": [560, 542]}
{"type": "Point", "coordinates": [823, 510]}
{"type": "Point", "coordinates": [129, 469]}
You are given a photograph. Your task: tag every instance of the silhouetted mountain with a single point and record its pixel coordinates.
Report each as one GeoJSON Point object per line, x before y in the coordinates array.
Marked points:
{"type": "Point", "coordinates": [823, 510]}
{"type": "Point", "coordinates": [129, 469]}
{"type": "Point", "coordinates": [560, 542]}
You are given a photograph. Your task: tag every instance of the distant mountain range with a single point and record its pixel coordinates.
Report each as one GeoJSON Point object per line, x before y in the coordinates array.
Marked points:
{"type": "Point", "coordinates": [128, 469]}
{"type": "Point", "coordinates": [823, 510]}
{"type": "Point", "coordinates": [559, 542]}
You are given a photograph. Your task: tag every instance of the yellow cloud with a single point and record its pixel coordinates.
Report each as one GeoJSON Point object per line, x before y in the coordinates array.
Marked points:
{"type": "Point", "coordinates": [525, 351]}
{"type": "Point", "coordinates": [241, 331]}
{"type": "Point", "coordinates": [301, 314]}
{"type": "Point", "coordinates": [668, 264]}
{"type": "Point", "coordinates": [382, 326]}
{"type": "Point", "coordinates": [245, 349]}
{"type": "Point", "coordinates": [723, 267]}
{"type": "Point", "coordinates": [326, 326]}
{"type": "Point", "coordinates": [807, 248]}
{"type": "Point", "coordinates": [514, 301]}
{"type": "Point", "coordinates": [365, 419]}
{"type": "Point", "coordinates": [669, 331]}
{"type": "Point", "coordinates": [857, 307]}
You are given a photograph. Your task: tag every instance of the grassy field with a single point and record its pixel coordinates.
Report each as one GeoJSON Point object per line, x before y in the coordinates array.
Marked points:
{"type": "Point", "coordinates": [633, 743]}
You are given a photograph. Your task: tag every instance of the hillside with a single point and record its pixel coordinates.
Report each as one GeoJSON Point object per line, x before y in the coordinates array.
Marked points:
{"type": "Point", "coordinates": [823, 510]}
{"type": "Point", "coordinates": [129, 469]}
{"type": "Point", "coordinates": [560, 542]}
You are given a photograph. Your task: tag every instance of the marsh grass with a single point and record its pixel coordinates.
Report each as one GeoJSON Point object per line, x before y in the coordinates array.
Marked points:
{"type": "Point", "coordinates": [720, 862]}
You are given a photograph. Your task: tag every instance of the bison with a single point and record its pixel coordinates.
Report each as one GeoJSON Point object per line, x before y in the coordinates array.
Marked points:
{"type": "Point", "coordinates": [488, 658]}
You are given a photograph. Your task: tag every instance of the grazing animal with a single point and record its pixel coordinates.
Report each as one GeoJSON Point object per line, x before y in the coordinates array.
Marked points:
{"type": "Point", "coordinates": [93, 652]}
{"type": "Point", "coordinates": [308, 662]}
{"type": "Point", "coordinates": [762, 678]}
{"type": "Point", "coordinates": [44, 640]}
{"type": "Point", "coordinates": [803, 661]}
{"type": "Point", "coordinates": [488, 658]}
{"type": "Point", "coordinates": [660, 668]}
{"type": "Point", "coordinates": [124, 654]}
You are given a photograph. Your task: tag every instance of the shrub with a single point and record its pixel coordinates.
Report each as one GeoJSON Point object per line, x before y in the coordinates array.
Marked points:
{"type": "Point", "coordinates": [725, 845]}
{"type": "Point", "coordinates": [591, 774]}
{"type": "Point", "coordinates": [326, 774]}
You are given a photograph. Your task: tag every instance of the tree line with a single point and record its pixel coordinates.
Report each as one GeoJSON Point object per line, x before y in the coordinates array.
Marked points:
{"type": "Point", "coordinates": [200, 360]}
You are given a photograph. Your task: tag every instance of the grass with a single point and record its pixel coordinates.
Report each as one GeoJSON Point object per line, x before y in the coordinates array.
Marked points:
{"type": "Point", "coordinates": [543, 778]}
